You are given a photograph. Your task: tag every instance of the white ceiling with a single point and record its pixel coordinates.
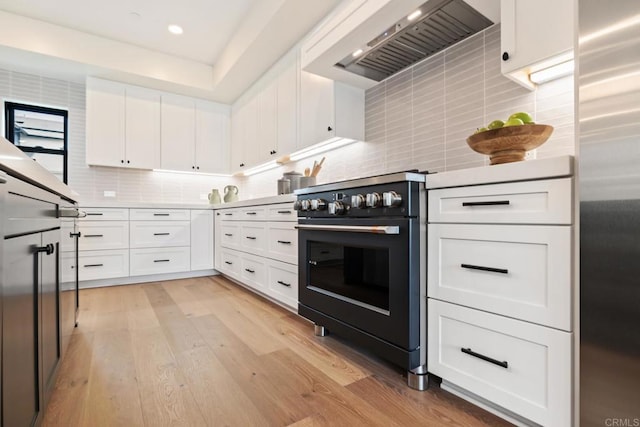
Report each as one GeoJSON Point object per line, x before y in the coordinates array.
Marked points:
{"type": "Point", "coordinates": [208, 24]}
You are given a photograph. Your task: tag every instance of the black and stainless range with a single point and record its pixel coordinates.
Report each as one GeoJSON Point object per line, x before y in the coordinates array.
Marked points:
{"type": "Point", "coordinates": [362, 251]}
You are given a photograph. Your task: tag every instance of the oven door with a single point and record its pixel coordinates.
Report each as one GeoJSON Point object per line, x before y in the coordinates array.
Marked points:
{"type": "Point", "coordinates": [365, 273]}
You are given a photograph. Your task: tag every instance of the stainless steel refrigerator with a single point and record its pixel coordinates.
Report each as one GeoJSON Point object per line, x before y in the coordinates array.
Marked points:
{"type": "Point", "coordinates": [608, 79]}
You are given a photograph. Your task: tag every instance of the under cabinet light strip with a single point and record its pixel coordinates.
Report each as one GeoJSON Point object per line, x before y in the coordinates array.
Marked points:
{"type": "Point", "coordinates": [261, 168]}
{"type": "Point", "coordinates": [192, 173]}
{"type": "Point", "coordinates": [555, 72]}
{"type": "Point", "coordinates": [330, 144]}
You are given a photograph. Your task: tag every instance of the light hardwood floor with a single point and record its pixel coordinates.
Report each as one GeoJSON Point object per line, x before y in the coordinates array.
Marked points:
{"type": "Point", "coordinates": [206, 352]}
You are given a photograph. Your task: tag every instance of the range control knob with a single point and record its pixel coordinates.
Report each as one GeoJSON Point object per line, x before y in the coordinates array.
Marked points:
{"type": "Point", "coordinates": [297, 205]}
{"type": "Point", "coordinates": [318, 205]}
{"type": "Point", "coordinates": [305, 205]}
{"type": "Point", "coordinates": [374, 200]}
{"type": "Point", "coordinates": [391, 199]}
{"type": "Point", "coordinates": [357, 201]}
{"type": "Point", "coordinates": [336, 208]}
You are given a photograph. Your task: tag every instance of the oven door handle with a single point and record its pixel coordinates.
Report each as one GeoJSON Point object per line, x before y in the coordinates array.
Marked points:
{"type": "Point", "coordinates": [374, 229]}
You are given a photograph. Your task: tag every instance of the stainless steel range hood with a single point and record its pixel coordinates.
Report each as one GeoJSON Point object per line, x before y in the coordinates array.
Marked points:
{"type": "Point", "coordinates": [366, 41]}
{"type": "Point", "coordinates": [434, 26]}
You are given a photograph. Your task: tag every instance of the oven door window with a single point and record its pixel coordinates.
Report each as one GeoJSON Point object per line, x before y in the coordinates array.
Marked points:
{"type": "Point", "coordinates": [356, 274]}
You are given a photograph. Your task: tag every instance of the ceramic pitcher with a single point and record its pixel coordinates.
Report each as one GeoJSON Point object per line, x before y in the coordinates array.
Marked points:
{"type": "Point", "coordinates": [230, 193]}
{"type": "Point", "coordinates": [214, 196]}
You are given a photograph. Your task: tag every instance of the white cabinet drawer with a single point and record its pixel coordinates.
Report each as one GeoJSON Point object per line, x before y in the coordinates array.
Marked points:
{"type": "Point", "coordinates": [160, 234]}
{"type": "Point", "coordinates": [282, 283]}
{"type": "Point", "coordinates": [105, 214]}
{"type": "Point", "coordinates": [532, 202]}
{"type": "Point", "coordinates": [467, 348]}
{"type": "Point", "coordinates": [230, 235]}
{"type": "Point", "coordinates": [253, 271]}
{"type": "Point", "coordinates": [253, 214]}
{"type": "Point", "coordinates": [253, 238]}
{"type": "Point", "coordinates": [229, 214]}
{"type": "Point", "coordinates": [95, 265]}
{"type": "Point", "coordinates": [97, 235]}
{"type": "Point", "coordinates": [283, 242]}
{"type": "Point", "coordinates": [282, 212]}
{"type": "Point", "coordinates": [518, 271]}
{"type": "Point", "coordinates": [230, 263]}
{"type": "Point", "coordinates": [159, 260]}
{"type": "Point", "coordinates": [160, 215]}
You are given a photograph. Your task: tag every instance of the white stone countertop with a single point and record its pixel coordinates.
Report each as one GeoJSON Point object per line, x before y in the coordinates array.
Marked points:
{"type": "Point", "coordinates": [271, 200]}
{"type": "Point", "coordinates": [284, 198]}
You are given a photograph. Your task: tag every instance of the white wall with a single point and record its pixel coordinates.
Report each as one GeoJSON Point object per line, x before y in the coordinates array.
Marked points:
{"type": "Point", "coordinates": [91, 182]}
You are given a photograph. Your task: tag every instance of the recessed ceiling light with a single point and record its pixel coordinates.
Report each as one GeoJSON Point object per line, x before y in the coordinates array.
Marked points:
{"type": "Point", "coordinates": [357, 53]}
{"type": "Point", "coordinates": [175, 29]}
{"type": "Point", "coordinates": [414, 15]}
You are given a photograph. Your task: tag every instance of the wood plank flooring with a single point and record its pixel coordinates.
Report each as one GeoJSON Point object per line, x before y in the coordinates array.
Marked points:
{"type": "Point", "coordinates": [206, 352]}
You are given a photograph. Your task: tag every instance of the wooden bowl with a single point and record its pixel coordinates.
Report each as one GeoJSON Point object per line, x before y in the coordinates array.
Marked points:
{"type": "Point", "coordinates": [511, 143]}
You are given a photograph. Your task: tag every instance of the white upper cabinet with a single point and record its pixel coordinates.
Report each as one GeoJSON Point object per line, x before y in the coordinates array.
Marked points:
{"type": "Point", "coordinates": [212, 136]}
{"type": "Point", "coordinates": [105, 123]}
{"type": "Point", "coordinates": [329, 109]}
{"type": "Point", "coordinates": [288, 81]}
{"type": "Point", "coordinates": [535, 35]}
{"type": "Point", "coordinates": [267, 144]}
{"type": "Point", "coordinates": [195, 135]}
{"type": "Point", "coordinates": [123, 125]}
{"type": "Point", "coordinates": [178, 133]}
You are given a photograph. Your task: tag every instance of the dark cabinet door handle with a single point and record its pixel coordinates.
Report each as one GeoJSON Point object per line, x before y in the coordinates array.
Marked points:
{"type": "Point", "coordinates": [228, 234]}
{"type": "Point", "coordinates": [481, 268]}
{"type": "Point", "coordinates": [251, 213]}
{"type": "Point", "coordinates": [505, 56]}
{"type": "Point", "coordinates": [329, 128]}
{"type": "Point", "coordinates": [78, 234]}
{"type": "Point", "coordinates": [161, 234]}
{"type": "Point", "coordinates": [161, 214]}
{"type": "Point", "coordinates": [248, 270]}
{"type": "Point", "coordinates": [228, 262]}
{"type": "Point", "coordinates": [228, 214]}
{"type": "Point", "coordinates": [284, 242]}
{"type": "Point", "coordinates": [284, 212]}
{"type": "Point", "coordinates": [489, 203]}
{"type": "Point", "coordinates": [288, 285]}
{"type": "Point", "coordinates": [251, 238]}
{"type": "Point", "coordinates": [93, 265]}
{"type": "Point", "coordinates": [94, 214]}
{"type": "Point", "coordinates": [94, 235]}
{"type": "Point", "coordinates": [161, 260]}
{"type": "Point", "coordinates": [47, 249]}
{"type": "Point", "coordinates": [485, 358]}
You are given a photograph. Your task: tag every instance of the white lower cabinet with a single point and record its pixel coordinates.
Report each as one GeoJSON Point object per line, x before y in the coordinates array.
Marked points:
{"type": "Point", "coordinates": [159, 234]}
{"type": "Point", "coordinates": [202, 239]}
{"type": "Point", "coordinates": [96, 265]}
{"type": "Point", "coordinates": [159, 260]}
{"type": "Point", "coordinates": [520, 366]}
{"type": "Point", "coordinates": [258, 246]}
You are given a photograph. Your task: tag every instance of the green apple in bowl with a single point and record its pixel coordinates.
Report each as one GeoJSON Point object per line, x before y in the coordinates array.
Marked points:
{"type": "Point", "coordinates": [496, 124]}
{"type": "Point", "coordinates": [513, 121]}
{"type": "Point", "coordinates": [525, 117]}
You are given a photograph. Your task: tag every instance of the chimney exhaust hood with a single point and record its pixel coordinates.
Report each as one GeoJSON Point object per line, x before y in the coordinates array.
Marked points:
{"type": "Point", "coordinates": [369, 40]}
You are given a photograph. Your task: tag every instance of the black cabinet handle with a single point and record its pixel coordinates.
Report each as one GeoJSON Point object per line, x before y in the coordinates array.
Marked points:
{"type": "Point", "coordinates": [284, 242]}
{"type": "Point", "coordinates": [94, 235]}
{"type": "Point", "coordinates": [252, 213]}
{"type": "Point", "coordinates": [228, 214]}
{"type": "Point", "coordinates": [227, 262]}
{"type": "Point", "coordinates": [161, 260]}
{"type": "Point", "coordinates": [78, 234]}
{"type": "Point", "coordinates": [94, 214]}
{"type": "Point", "coordinates": [128, 162]}
{"type": "Point", "coordinates": [228, 234]}
{"type": "Point", "coordinates": [93, 265]}
{"type": "Point", "coordinates": [505, 56]}
{"type": "Point", "coordinates": [329, 128]}
{"type": "Point", "coordinates": [251, 237]}
{"type": "Point", "coordinates": [160, 234]}
{"type": "Point", "coordinates": [288, 285]}
{"type": "Point", "coordinates": [198, 167]}
{"type": "Point", "coordinates": [48, 249]}
{"type": "Point", "coordinates": [481, 268]}
{"type": "Point", "coordinates": [241, 165]}
{"type": "Point", "coordinates": [490, 203]}
{"type": "Point", "coordinates": [485, 358]}
{"type": "Point", "coordinates": [248, 270]}
{"type": "Point", "coordinates": [161, 214]}
{"type": "Point", "coordinates": [121, 161]}
{"type": "Point", "coordinates": [284, 212]}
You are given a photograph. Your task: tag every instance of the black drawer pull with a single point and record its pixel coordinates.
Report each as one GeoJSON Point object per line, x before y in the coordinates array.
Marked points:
{"type": "Point", "coordinates": [228, 262]}
{"type": "Point", "coordinates": [228, 214]}
{"type": "Point", "coordinates": [93, 265]}
{"type": "Point", "coordinates": [252, 213]}
{"type": "Point", "coordinates": [284, 242]}
{"type": "Point", "coordinates": [249, 270]}
{"type": "Point", "coordinates": [490, 203]}
{"type": "Point", "coordinates": [288, 285]}
{"type": "Point", "coordinates": [160, 234]}
{"type": "Point", "coordinates": [48, 249]}
{"type": "Point", "coordinates": [228, 234]}
{"type": "Point", "coordinates": [161, 214]}
{"type": "Point", "coordinates": [251, 238]}
{"type": "Point", "coordinates": [161, 260]}
{"type": "Point", "coordinates": [284, 212]}
{"type": "Point", "coordinates": [94, 214]}
{"type": "Point", "coordinates": [78, 234]}
{"type": "Point", "coordinates": [94, 235]}
{"type": "Point", "coordinates": [491, 269]}
{"type": "Point", "coordinates": [485, 358]}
